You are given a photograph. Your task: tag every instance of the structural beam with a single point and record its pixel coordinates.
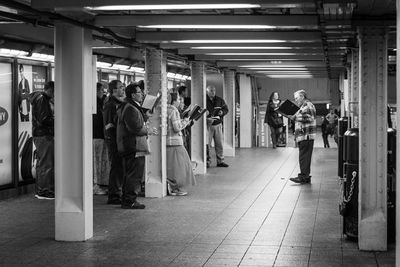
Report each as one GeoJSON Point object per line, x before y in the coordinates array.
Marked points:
{"type": "Point", "coordinates": [199, 129]}
{"type": "Point", "coordinates": [259, 57]}
{"type": "Point", "coordinates": [228, 95]}
{"type": "Point", "coordinates": [271, 63]}
{"type": "Point", "coordinates": [156, 162]}
{"type": "Point", "coordinates": [286, 46]}
{"type": "Point", "coordinates": [194, 51]}
{"type": "Point", "coordinates": [246, 111]}
{"type": "Point", "coordinates": [73, 134]}
{"type": "Point", "coordinates": [72, 4]}
{"type": "Point", "coordinates": [372, 215]}
{"type": "Point", "coordinates": [398, 143]}
{"type": "Point", "coordinates": [194, 19]}
{"type": "Point", "coordinates": [278, 37]}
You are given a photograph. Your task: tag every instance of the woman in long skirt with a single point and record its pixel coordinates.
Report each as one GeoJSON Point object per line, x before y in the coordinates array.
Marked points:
{"type": "Point", "coordinates": [179, 167]}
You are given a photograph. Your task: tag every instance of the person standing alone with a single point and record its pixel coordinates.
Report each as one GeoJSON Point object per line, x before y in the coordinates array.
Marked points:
{"type": "Point", "coordinates": [273, 118]}
{"type": "Point", "coordinates": [217, 110]}
{"type": "Point", "coordinates": [43, 138]}
{"type": "Point", "coordinates": [305, 128]}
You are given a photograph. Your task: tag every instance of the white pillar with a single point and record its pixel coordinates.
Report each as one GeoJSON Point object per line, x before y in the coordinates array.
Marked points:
{"type": "Point", "coordinates": [229, 119]}
{"type": "Point", "coordinates": [246, 111]}
{"type": "Point", "coordinates": [156, 162]}
{"type": "Point", "coordinates": [397, 142]}
{"type": "Point", "coordinates": [199, 128]}
{"type": "Point", "coordinates": [73, 134]}
{"type": "Point", "coordinates": [354, 95]}
{"type": "Point", "coordinates": [373, 139]}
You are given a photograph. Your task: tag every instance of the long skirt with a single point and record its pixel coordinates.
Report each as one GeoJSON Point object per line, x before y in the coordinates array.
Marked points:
{"type": "Point", "coordinates": [179, 166]}
{"type": "Point", "coordinates": [101, 164]}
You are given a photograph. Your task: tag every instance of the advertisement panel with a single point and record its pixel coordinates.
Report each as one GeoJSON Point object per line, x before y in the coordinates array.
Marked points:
{"type": "Point", "coordinates": [30, 79]}
{"type": "Point", "coordinates": [5, 124]}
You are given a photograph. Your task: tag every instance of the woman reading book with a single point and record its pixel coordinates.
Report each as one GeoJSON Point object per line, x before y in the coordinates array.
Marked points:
{"type": "Point", "coordinates": [273, 118]}
{"type": "Point", "coordinates": [179, 166]}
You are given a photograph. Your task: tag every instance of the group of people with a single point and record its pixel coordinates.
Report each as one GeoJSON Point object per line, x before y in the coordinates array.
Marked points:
{"type": "Point", "coordinates": [305, 130]}
{"type": "Point", "coordinates": [120, 132]}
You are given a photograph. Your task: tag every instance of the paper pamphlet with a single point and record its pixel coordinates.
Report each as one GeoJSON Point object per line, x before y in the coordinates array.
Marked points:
{"type": "Point", "coordinates": [150, 101]}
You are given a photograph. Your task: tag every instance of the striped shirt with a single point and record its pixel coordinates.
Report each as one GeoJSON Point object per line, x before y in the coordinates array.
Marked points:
{"type": "Point", "coordinates": [305, 124]}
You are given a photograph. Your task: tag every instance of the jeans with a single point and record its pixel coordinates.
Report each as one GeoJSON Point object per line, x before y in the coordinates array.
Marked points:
{"type": "Point", "coordinates": [215, 132]}
{"type": "Point", "coordinates": [116, 171]}
{"type": "Point", "coordinates": [45, 163]}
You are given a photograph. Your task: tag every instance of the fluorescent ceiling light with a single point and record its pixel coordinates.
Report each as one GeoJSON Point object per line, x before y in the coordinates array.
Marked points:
{"type": "Point", "coordinates": [275, 68]}
{"type": "Point", "coordinates": [279, 76]}
{"type": "Point", "coordinates": [242, 41]}
{"type": "Point", "coordinates": [173, 7]}
{"type": "Point", "coordinates": [107, 47]}
{"type": "Point", "coordinates": [239, 47]}
{"type": "Point", "coordinates": [271, 65]}
{"type": "Point", "coordinates": [207, 26]}
{"type": "Point", "coordinates": [250, 54]}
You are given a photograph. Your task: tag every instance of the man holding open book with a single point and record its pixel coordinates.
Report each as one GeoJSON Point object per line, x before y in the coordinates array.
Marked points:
{"type": "Point", "coordinates": [217, 110]}
{"type": "Point", "coordinates": [305, 127]}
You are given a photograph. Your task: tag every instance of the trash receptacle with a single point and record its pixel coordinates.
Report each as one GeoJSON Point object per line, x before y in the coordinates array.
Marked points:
{"type": "Point", "coordinates": [391, 185]}
{"type": "Point", "coordinates": [349, 203]}
{"type": "Point", "coordinates": [342, 128]}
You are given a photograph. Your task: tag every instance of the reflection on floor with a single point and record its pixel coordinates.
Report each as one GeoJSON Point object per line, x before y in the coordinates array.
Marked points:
{"type": "Point", "coordinates": [246, 215]}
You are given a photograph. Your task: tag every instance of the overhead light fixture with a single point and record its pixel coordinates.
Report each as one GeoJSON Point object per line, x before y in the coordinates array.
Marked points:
{"type": "Point", "coordinates": [172, 7]}
{"type": "Point", "coordinates": [206, 26]}
{"type": "Point", "coordinates": [271, 66]}
{"type": "Point", "coordinates": [240, 47]}
{"type": "Point", "coordinates": [223, 41]}
{"type": "Point", "coordinates": [286, 76]}
{"type": "Point", "coordinates": [275, 68]}
{"type": "Point", "coordinates": [250, 54]}
{"type": "Point", "coordinates": [107, 47]}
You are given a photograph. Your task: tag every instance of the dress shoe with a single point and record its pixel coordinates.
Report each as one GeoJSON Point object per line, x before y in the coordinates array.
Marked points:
{"type": "Point", "coordinates": [133, 206]}
{"type": "Point", "coordinates": [299, 180]}
{"type": "Point", "coordinates": [222, 164]}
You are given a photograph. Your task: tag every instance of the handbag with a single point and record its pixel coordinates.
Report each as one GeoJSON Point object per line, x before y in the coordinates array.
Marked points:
{"type": "Point", "coordinates": [277, 121]}
{"type": "Point", "coordinates": [142, 144]}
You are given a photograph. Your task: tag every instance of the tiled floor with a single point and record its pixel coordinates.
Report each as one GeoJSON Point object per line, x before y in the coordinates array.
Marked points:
{"type": "Point", "coordinates": [246, 215]}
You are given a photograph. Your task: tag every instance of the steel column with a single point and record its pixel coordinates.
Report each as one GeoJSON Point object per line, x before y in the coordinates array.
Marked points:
{"type": "Point", "coordinates": [229, 119]}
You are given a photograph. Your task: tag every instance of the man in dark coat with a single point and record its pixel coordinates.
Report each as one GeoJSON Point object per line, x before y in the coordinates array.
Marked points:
{"type": "Point", "coordinates": [43, 138]}
{"type": "Point", "coordinates": [117, 94]}
{"type": "Point", "coordinates": [217, 110]}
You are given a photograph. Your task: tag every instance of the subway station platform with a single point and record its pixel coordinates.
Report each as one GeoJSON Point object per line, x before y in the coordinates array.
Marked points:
{"type": "Point", "coordinates": [249, 214]}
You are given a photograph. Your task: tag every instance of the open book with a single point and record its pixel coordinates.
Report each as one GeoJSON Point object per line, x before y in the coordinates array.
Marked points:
{"type": "Point", "coordinates": [150, 101]}
{"type": "Point", "coordinates": [194, 112]}
{"type": "Point", "coordinates": [287, 108]}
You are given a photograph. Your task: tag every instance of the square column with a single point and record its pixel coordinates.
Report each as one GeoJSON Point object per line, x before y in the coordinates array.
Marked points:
{"type": "Point", "coordinates": [246, 111]}
{"type": "Point", "coordinates": [156, 162]}
{"type": "Point", "coordinates": [199, 128]}
{"type": "Point", "coordinates": [73, 133]}
{"type": "Point", "coordinates": [354, 91]}
{"type": "Point", "coordinates": [398, 143]}
{"type": "Point", "coordinates": [372, 215]}
{"type": "Point", "coordinates": [229, 119]}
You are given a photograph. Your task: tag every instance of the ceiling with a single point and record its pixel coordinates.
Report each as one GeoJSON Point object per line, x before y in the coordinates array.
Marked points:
{"type": "Point", "coordinates": [262, 38]}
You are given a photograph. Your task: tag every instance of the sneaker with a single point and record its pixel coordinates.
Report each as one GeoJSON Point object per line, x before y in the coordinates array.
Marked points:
{"type": "Point", "coordinates": [97, 190]}
{"type": "Point", "coordinates": [178, 192]}
{"type": "Point", "coordinates": [133, 206]}
{"type": "Point", "coordinates": [222, 164]}
{"type": "Point", "coordinates": [114, 201]}
{"type": "Point", "coordinates": [46, 195]}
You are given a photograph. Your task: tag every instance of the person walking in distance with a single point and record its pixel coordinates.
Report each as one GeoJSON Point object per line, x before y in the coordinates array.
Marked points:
{"type": "Point", "coordinates": [305, 128]}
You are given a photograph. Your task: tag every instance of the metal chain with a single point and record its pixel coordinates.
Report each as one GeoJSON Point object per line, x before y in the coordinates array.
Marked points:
{"type": "Point", "coordinates": [354, 174]}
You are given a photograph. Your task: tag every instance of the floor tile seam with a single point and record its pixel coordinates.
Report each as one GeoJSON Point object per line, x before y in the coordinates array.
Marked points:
{"type": "Point", "coordinates": [281, 243]}
{"type": "Point", "coordinates": [323, 172]}
{"type": "Point", "coordinates": [272, 206]}
{"type": "Point", "coordinates": [223, 209]}
{"type": "Point", "coordinates": [290, 153]}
